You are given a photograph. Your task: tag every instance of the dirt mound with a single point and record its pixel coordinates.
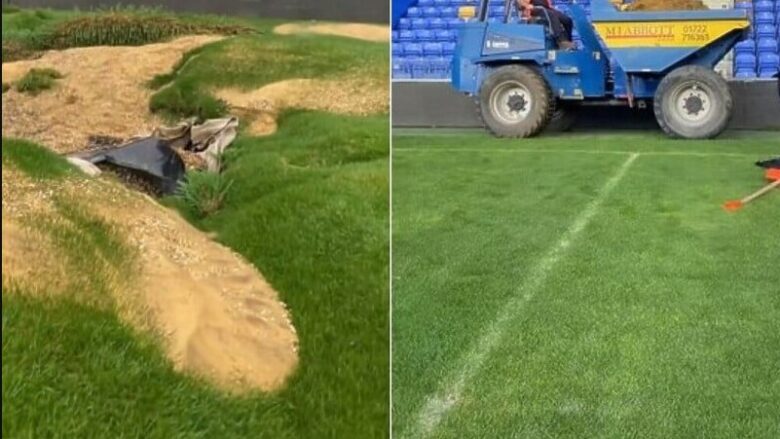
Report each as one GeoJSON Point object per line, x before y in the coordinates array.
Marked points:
{"type": "Point", "coordinates": [103, 92]}
{"type": "Point", "coordinates": [368, 32]}
{"type": "Point", "coordinates": [356, 96]}
{"type": "Point", "coordinates": [666, 5]}
{"type": "Point", "coordinates": [216, 314]}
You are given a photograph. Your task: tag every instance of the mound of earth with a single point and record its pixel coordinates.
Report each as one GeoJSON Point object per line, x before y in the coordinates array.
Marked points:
{"type": "Point", "coordinates": [357, 96]}
{"type": "Point", "coordinates": [666, 5]}
{"type": "Point", "coordinates": [103, 93]}
{"type": "Point", "coordinates": [217, 316]}
{"type": "Point", "coordinates": [368, 32]}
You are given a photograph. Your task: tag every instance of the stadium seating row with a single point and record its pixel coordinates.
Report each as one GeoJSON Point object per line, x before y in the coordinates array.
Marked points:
{"type": "Point", "coordinates": [425, 36]}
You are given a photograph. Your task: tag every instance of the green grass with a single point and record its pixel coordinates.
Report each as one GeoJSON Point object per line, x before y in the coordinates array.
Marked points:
{"type": "Point", "coordinates": [251, 61]}
{"type": "Point", "coordinates": [658, 320]}
{"type": "Point", "coordinates": [37, 80]}
{"type": "Point", "coordinates": [309, 207]}
{"type": "Point", "coordinates": [34, 160]}
{"type": "Point", "coordinates": [27, 32]}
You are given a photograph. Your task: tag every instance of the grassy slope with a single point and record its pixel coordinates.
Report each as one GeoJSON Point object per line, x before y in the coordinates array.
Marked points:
{"type": "Point", "coordinates": [309, 208]}
{"type": "Point", "coordinates": [313, 217]}
{"type": "Point", "coordinates": [248, 62]}
{"type": "Point", "coordinates": [661, 321]}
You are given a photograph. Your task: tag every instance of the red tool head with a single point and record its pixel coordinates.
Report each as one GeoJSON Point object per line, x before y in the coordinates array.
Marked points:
{"type": "Point", "coordinates": [773, 174]}
{"type": "Point", "coordinates": [733, 206]}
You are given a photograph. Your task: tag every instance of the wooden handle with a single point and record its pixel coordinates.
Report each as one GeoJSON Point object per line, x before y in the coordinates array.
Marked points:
{"type": "Point", "coordinates": [760, 192]}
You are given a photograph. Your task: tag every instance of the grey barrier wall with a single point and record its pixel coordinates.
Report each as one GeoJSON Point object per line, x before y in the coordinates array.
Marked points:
{"type": "Point", "coordinates": [436, 104]}
{"type": "Point", "coordinates": [369, 11]}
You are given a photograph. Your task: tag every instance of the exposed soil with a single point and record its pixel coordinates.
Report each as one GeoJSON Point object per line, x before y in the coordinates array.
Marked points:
{"type": "Point", "coordinates": [217, 315]}
{"type": "Point", "coordinates": [103, 93]}
{"type": "Point", "coordinates": [666, 5]}
{"type": "Point", "coordinates": [356, 96]}
{"type": "Point", "coordinates": [368, 32]}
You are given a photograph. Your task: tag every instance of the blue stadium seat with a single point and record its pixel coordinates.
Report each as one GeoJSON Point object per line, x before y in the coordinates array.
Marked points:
{"type": "Point", "coordinates": [448, 49]}
{"type": "Point", "coordinates": [766, 45]}
{"type": "Point", "coordinates": [743, 5]}
{"type": "Point", "coordinates": [437, 23]}
{"type": "Point", "coordinates": [768, 65]}
{"type": "Point", "coordinates": [745, 74]}
{"type": "Point", "coordinates": [764, 18]}
{"type": "Point", "coordinates": [745, 46]}
{"type": "Point", "coordinates": [424, 3]}
{"type": "Point", "coordinates": [398, 49]}
{"type": "Point", "coordinates": [496, 11]}
{"type": "Point", "coordinates": [406, 36]}
{"type": "Point", "coordinates": [423, 35]}
{"type": "Point", "coordinates": [419, 23]}
{"type": "Point", "coordinates": [430, 12]}
{"type": "Point", "coordinates": [413, 12]}
{"type": "Point", "coordinates": [445, 35]}
{"type": "Point", "coordinates": [763, 6]}
{"type": "Point", "coordinates": [420, 68]}
{"type": "Point", "coordinates": [454, 23]}
{"type": "Point", "coordinates": [404, 23]}
{"type": "Point", "coordinates": [432, 50]}
{"type": "Point", "coordinates": [745, 61]}
{"type": "Point", "coordinates": [440, 67]}
{"type": "Point", "coordinates": [414, 49]}
{"type": "Point", "coordinates": [441, 3]}
{"type": "Point", "coordinates": [449, 12]}
{"type": "Point", "coordinates": [401, 70]}
{"type": "Point", "coordinates": [765, 31]}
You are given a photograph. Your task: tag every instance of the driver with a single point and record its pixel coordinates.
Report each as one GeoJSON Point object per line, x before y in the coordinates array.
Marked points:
{"type": "Point", "coordinates": [560, 23]}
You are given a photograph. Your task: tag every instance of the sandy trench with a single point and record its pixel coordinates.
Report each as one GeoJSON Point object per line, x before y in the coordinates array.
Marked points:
{"type": "Point", "coordinates": [217, 315]}
{"type": "Point", "coordinates": [367, 32]}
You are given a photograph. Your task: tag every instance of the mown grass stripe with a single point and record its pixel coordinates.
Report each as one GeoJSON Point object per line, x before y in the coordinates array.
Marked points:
{"type": "Point", "coordinates": [437, 406]}
{"type": "Point", "coordinates": [584, 151]}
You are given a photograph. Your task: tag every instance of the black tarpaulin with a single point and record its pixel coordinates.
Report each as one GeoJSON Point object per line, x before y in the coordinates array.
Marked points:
{"type": "Point", "coordinates": [150, 158]}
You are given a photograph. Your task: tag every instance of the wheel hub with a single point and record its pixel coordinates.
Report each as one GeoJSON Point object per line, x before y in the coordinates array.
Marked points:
{"type": "Point", "coordinates": [511, 102]}
{"type": "Point", "coordinates": [516, 103]}
{"type": "Point", "coordinates": [693, 104]}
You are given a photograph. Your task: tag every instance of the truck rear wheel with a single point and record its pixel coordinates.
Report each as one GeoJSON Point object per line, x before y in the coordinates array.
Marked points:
{"type": "Point", "coordinates": [693, 102]}
{"type": "Point", "coordinates": [562, 119]}
{"type": "Point", "coordinates": [515, 101]}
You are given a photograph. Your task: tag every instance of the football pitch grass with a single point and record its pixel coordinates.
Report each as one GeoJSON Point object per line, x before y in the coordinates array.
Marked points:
{"type": "Point", "coordinates": [584, 285]}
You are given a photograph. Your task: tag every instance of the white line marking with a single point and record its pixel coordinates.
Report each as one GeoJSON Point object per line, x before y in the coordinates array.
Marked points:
{"type": "Point", "coordinates": [438, 405]}
{"type": "Point", "coordinates": [585, 151]}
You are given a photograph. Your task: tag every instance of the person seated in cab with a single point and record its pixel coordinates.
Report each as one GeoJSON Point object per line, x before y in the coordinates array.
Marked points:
{"type": "Point", "coordinates": [560, 23]}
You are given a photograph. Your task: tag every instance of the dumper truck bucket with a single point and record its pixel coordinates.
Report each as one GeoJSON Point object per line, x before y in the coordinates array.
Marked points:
{"type": "Point", "coordinates": [655, 42]}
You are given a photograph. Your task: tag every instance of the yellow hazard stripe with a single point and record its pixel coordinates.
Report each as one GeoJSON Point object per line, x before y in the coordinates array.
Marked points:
{"type": "Point", "coordinates": [665, 33]}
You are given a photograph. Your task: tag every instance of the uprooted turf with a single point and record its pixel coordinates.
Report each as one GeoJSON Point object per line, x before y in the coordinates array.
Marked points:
{"type": "Point", "coordinates": [309, 208]}
{"type": "Point", "coordinates": [524, 308]}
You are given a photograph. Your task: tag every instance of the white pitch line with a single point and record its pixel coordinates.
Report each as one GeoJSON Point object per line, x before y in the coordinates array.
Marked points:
{"type": "Point", "coordinates": [586, 151]}
{"type": "Point", "coordinates": [438, 405]}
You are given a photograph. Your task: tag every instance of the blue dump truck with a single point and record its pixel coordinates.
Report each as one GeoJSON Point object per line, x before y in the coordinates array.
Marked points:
{"type": "Point", "coordinates": [522, 81]}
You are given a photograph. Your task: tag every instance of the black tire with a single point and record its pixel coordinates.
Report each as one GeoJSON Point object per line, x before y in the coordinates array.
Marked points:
{"type": "Point", "coordinates": [563, 118]}
{"type": "Point", "coordinates": [532, 114]}
{"type": "Point", "coordinates": [693, 102]}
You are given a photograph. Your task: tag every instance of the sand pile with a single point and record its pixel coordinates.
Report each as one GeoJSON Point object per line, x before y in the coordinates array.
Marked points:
{"type": "Point", "coordinates": [103, 93]}
{"type": "Point", "coordinates": [666, 5]}
{"type": "Point", "coordinates": [216, 314]}
{"type": "Point", "coordinates": [368, 32]}
{"type": "Point", "coordinates": [353, 96]}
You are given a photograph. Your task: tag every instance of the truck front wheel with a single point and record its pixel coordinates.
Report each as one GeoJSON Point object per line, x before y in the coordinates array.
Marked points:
{"type": "Point", "coordinates": [514, 101]}
{"type": "Point", "coordinates": [693, 102]}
